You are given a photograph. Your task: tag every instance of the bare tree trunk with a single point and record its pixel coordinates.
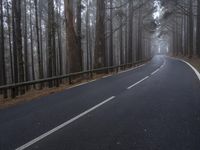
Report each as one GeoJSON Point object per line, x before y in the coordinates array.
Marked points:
{"type": "Point", "coordinates": [78, 13]}
{"type": "Point", "coordinates": [40, 63]}
{"type": "Point", "coordinates": [18, 39]}
{"type": "Point", "coordinates": [111, 35]}
{"type": "Point", "coordinates": [26, 44]}
{"type": "Point", "coordinates": [100, 59]}
{"type": "Point", "coordinates": [87, 35]}
{"type": "Point", "coordinates": [191, 26]}
{"type": "Point", "coordinates": [15, 59]}
{"type": "Point", "coordinates": [75, 53]}
{"type": "Point", "coordinates": [2, 50]}
{"type": "Point", "coordinates": [31, 37]}
{"type": "Point", "coordinates": [59, 38]}
{"type": "Point", "coordinates": [130, 32]}
{"type": "Point", "coordinates": [198, 28]}
{"type": "Point", "coordinates": [10, 42]}
{"type": "Point", "coordinates": [41, 38]}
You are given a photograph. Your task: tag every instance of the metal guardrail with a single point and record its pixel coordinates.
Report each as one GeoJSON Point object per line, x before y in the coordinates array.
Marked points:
{"type": "Point", "coordinates": [15, 86]}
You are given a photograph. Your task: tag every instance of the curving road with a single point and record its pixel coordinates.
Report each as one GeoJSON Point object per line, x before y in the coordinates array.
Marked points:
{"type": "Point", "coordinates": [153, 107]}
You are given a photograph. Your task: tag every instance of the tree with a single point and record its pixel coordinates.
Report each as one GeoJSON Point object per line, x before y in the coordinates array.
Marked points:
{"type": "Point", "coordinates": [191, 26]}
{"type": "Point", "coordinates": [51, 40]}
{"type": "Point", "coordinates": [31, 42]}
{"type": "Point", "coordinates": [130, 32]}
{"type": "Point", "coordinates": [2, 49]}
{"type": "Point", "coordinates": [198, 28]}
{"type": "Point", "coordinates": [40, 64]}
{"type": "Point", "coordinates": [78, 13]}
{"type": "Point", "coordinates": [25, 42]}
{"type": "Point", "coordinates": [111, 35]}
{"type": "Point", "coordinates": [75, 53]}
{"type": "Point", "coordinates": [100, 59]}
{"type": "Point", "coordinates": [17, 42]}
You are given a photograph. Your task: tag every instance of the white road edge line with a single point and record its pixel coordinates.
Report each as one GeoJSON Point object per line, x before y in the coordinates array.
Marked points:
{"type": "Point", "coordinates": [63, 125]}
{"type": "Point", "coordinates": [194, 69]}
{"type": "Point", "coordinates": [77, 85]}
{"type": "Point", "coordinates": [106, 76]}
{"type": "Point", "coordinates": [130, 87]}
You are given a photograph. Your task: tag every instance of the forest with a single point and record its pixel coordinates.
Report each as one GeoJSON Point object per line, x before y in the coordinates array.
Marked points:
{"type": "Point", "coordinates": [50, 39]}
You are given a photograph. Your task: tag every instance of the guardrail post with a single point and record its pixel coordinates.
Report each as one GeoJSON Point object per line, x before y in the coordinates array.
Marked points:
{"type": "Point", "coordinates": [70, 80]}
{"type": "Point", "coordinates": [13, 92]}
{"type": "Point", "coordinates": [107, 70]}
{"type": "Point", "coordinates": [5, 94]}
{"type": "Point", "coordinates": [57, 82]}
{"type": "Point", "coordinates": [117, 69]}
{"type": "Point", "coordinates": [91, 74]}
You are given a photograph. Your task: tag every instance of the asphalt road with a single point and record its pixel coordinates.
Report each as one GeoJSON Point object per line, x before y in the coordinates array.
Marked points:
{"type": "Point", "coordinates": [153, 107]}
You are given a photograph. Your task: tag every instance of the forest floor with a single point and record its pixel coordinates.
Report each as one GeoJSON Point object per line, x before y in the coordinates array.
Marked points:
{"type": "Point", "coordinates": [35, 94]}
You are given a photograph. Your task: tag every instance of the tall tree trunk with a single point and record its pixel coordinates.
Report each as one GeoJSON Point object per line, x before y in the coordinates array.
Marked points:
{"type": "Point", "coordinates": [18, 39]}
{"type": "Point", "coordinates": [191, 26]}
{"type": "Point", "coordinates": [78, 13]}
{"type": "Point", "coordinates": [41, 37]}
{"type": "Point", "coordinates": [26, 44]}
{"type": "Point", "coordinates": [139, 49]}
{"type": "Point", "coordinates": [15, 59]}
{"type": "Point", "coordinates": [87, 36]}
{"type": "Point", "coordinates": [130, 32]}
{"type": "Point", "coordinates": [100, 59]}
{"type": "Point", "coordinates": [121, 41]}
{"type": "Point", "coordinates": [111, 35]}
{"type": "Point", "coordinates": [59, 34]}
{"type": "Point", "coordinates": [31, 42]}
{"type": "Point", "coordinates": [40, 63]}
{"type": "Point", "coordinates": [198, 28]}
{"type": "Point", "coordinates": [50, 50]}
{"type": "Point", "coordinates": [10, 42]}
{"type": "Point", "coordinates": [75, 53]}
{"type": "Point", "coordinates": [2, 49]}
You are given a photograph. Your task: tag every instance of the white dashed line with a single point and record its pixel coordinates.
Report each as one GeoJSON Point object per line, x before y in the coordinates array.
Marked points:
{"type": "Point", "coordinates": [155, 71]}
{"type": "Point", "coordinates": [130, 87]}
{"type": "Point", "coordinates": [63, 125]}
